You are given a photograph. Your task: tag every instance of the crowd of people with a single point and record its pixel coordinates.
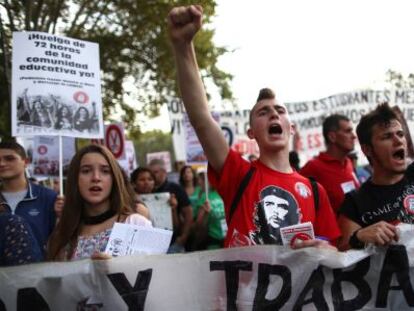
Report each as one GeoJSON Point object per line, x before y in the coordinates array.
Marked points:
{"type": "Point", "coordinates": [236, 202]}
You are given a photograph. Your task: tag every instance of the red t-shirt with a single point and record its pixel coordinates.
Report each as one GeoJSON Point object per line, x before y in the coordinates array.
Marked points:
{"type": "Point", "coordinates": [271, 200]}
{"type": "Point", "coordinates": [336, 177]}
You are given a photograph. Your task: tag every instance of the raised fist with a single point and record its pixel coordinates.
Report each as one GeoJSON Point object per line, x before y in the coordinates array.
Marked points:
{"type": "Point", "coordinates": [184, 22]}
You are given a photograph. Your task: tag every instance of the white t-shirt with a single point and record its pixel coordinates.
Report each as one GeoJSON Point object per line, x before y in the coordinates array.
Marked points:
{"type": "Point", "coordinates": [13, 198]}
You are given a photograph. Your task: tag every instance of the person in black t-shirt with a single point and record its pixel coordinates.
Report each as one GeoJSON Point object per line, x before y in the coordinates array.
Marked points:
{"type": "Point", "coordinates": [369, 215]}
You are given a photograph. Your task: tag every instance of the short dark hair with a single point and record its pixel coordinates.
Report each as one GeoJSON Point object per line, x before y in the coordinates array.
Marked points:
{"type": "Point", "coordinates": [382, 115]}
{"type": "Point", "coordinates": [265, 93]}
{"type": "Point", "coordinates": [138, 171]}
{"type": "Point", "coordinates": [331, 124]}
{"type": "Point", "coordinates": [16, 147]}
{"type": "Point", "coordinates": [157, 161]}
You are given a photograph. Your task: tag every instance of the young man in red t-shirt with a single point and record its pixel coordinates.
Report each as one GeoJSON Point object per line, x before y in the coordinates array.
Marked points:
{"type": "Point", "coordinates": [332, 168]}
{"type": "Point", "coordinates": [273, 182]}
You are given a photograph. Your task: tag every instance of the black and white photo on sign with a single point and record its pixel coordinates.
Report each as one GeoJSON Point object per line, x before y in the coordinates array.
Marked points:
{"type": "Point", "coordinates": [55, 86]}
{"type": "Point", "coordinates": [53, 112]}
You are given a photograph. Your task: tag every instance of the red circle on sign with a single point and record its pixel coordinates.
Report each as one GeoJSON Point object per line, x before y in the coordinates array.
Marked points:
{"type": "Point", "coordinates": [301, 236]}
{"type": "Point", "coordinates": [409, 204]}
{"type": "Point", "coordinates": [114, 140]}
{"type": "Point", "coordinates": [42, 149]}
{"type": "Point", "coordinates": [81, 97]}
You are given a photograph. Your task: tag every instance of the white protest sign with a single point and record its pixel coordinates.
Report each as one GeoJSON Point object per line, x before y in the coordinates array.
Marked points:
{"type": "Point", "coordinates": [129, 163]}
{"type": "Point", "coordinates": [46, 155]}
{"type": "Point", "coordinates": [115, 140]}
{"type": "Point", "coordinates": [247, 278]}
{"type": "Point", "coordinates": [159, 209]}
{"type": "Point", "coordinates": [163, 155]}
{"type": "Point", "coordinates": [176, 112]}
{"type": "Point", "coordinates": [56, 86]}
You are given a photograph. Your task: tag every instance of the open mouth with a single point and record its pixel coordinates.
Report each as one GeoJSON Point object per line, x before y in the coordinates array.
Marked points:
{"type": "Point", "coordinates": [399, 154]}
{"type": "Point", "coordinates": [275, 129]}
{"type": "Point", "coordinates": [95, 189]}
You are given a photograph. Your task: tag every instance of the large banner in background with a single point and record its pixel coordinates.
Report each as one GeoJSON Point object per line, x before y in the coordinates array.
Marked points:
{"type": "Point", "coordinates": [248, 278]}
{"type": "Point", "coordinates": [46, 155]}
{"type": "Point", "coordinates": [56, 86]}
{"type": "Point", "coordinates": [308, 117]}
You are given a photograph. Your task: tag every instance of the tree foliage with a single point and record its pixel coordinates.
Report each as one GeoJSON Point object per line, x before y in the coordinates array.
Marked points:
{"type": "Point", "coordinates": [135, 56]}
{"type": "Point", "coordinates": [153, 141]}
{"type": "Point", "coordinates": [398, 80]}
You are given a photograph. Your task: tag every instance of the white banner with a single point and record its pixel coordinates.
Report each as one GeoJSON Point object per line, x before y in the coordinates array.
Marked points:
{"type": "Point", "coordinates": [249, 278]}
{"type": "Point", "coordinates": [56, 87]}
{"type": "Point", "coordinates": [46, 155]}
{"type": "Point", "coordinates": [308, 117]}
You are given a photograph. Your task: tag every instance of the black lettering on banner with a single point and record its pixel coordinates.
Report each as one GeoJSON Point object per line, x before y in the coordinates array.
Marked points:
{"type": "Point", "coordinates": [355, 277]}
{"type": "Point", "coordinates": [314, 284]}
{"type": "Point", "coordinates": [260, 301]}
{"type": "Point", "coordinates": [29, 299]}
{"type": "Point", "coordinates": [135, 296]}
{"type": "Point", "coordinates": [176, 126]}
{"type": "Point", "coordinates": [395, 262]}
{"type": "Point", "coordinates": [231, 269]}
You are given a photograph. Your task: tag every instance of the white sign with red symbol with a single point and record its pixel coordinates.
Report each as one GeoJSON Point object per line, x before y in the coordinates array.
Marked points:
{"type": "Point", "coordinates": [297, 233]}
{"type": "Point", "coordinates": [56, 86]}
{"type": "Point", "coordinates": [115, 140]}
{"type": "Point", "coordinates": [46, 155]}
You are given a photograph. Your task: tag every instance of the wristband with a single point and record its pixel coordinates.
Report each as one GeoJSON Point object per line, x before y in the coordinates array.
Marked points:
{"type": "Point", "coordinates": [354, 242]}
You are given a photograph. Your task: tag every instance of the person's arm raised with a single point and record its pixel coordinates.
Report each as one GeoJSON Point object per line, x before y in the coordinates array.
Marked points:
{"type": "Point", "coordinates": [184, 23]}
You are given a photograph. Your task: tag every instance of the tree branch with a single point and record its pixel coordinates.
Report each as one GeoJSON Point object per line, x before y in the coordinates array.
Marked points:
{"type": "Point", "coordinates": [36, 14]}
{"type": "Point", "coordinates": [28, 15]}
{"type": "Point", "coordinates": [10, 15]}
{"type": "Point", "coordinates": [78, 13]}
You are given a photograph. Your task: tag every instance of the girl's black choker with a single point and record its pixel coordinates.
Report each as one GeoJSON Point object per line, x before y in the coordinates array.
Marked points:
{"type": "Point", "coordinates": [94, 220]}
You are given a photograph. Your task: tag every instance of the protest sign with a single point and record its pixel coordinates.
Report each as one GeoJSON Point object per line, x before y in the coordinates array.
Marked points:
{"type": "Point", "coordinates": [159, 209]}
{"type": "Point", "coordinates": [194, 151]}
{"type": "Point", "coordinates": [115, 140]}
{"type": "Point", "coordinates": [56, 88]}
{"type": "Point", "coordinates": [249, 278]}
{"type": "Point", "coordinates": [46, 155]}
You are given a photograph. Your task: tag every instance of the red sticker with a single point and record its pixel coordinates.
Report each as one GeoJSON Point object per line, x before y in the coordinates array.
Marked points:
{"type": "Point", "coordinates": [42, 149]}
{"type": "Point", "coordinates": [81, 97]}
{"type": "Point", "coordinates": [301, 236]}
{"type": "Point", "coordinates": [409, 204]}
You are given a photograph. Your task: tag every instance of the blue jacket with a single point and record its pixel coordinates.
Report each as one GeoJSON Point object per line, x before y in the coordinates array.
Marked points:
{"type": "Point", "coordinates": [37, 208]}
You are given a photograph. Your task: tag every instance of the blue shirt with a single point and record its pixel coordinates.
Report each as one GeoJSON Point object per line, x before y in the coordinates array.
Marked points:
{"type": "Point", "coordinates": [37, 208]}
